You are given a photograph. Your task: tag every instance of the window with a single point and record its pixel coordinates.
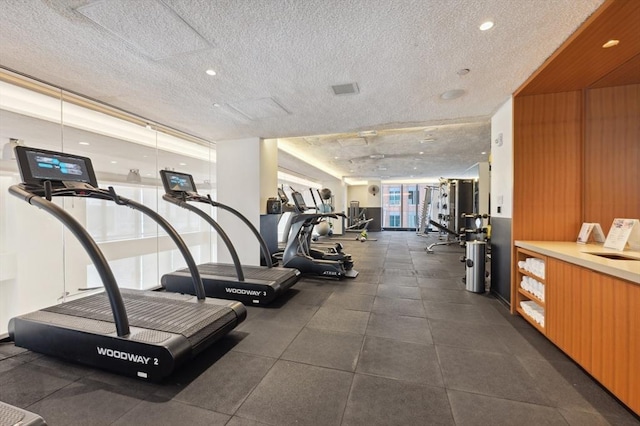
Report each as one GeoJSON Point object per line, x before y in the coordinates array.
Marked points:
{"type": "Point", "coordinates": [394, 220]}
{"type": "Point", "coordinates": [394, 196]}
{"type": "Point", "coordinates": [414, 197]}
{"type": "Point", "coordinates": [412, 220]}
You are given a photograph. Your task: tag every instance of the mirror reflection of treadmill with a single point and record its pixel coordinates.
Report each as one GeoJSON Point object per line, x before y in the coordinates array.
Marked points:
{"type": "Point", "coordinates": [257, 285]}
{"type": "Point", "coordinates": [130, 332]}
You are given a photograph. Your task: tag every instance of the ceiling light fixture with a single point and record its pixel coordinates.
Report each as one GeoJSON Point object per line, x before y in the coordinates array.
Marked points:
{"type": "Point", "coordinates": [183, 164]}
{"type": "Point", "coordinates": [421, 152]}
{"type": "Point", "coordinates": [376, 156]}
{"type": "Point", "coordinates": [84, 143]}
{"type": "Point", "coordinates": [610, 43]}
{"type": "Point", "coordinates": [210, 72]}
{"type": "Point", "coordinates": [217, 105]}
{"type": "Point", "coordinates": [366, 133]}
{"type": "Point", "coordinates": [486, 25]}
{"type": "Point", "coordinates": [114, 162]}
{"type": "Point", "coordinates": [452, 94]}
{"type": "Point", "coordinates": [427, 140]}
{"type": "Point", "coordinates": [484, 153]}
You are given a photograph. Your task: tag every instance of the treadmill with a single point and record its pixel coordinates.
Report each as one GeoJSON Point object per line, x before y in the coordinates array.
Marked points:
{"type": "Point", "coordinates": [14, 416]}
{"type": "Point", "coordinates": [136, 333]}
{"type": "Point", "coordinates": [256, 285]}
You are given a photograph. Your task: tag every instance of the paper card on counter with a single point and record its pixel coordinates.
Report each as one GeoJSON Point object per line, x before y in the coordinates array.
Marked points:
{"type": "Point", "coordinates": [621, 233]}
{"type": "Point", "coordinates": [589, 230]}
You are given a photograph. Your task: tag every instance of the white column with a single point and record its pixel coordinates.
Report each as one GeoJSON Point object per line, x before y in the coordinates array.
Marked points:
{"type": "Point", "coordinates": [247, 174]}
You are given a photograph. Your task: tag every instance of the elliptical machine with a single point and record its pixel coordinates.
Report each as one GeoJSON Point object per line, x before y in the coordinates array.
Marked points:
{"type": "Point", "coordinates": [298, 252]}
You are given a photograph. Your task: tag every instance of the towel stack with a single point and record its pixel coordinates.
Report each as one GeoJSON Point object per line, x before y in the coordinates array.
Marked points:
{"type": "Point", "coordinates": [533, 286]}
{"type": "Point", "coordinates": [534, 311]}
{"type": "Point", "coordinates": [533, 265]}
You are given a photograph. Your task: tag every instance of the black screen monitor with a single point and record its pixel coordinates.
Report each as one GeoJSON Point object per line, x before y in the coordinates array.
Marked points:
{"type": "Point", "coordinates": [299, 201]}
{"type": "Point", "coordinates": [40, 165]}
{"type": "Point", "coordinates": [176, 183]}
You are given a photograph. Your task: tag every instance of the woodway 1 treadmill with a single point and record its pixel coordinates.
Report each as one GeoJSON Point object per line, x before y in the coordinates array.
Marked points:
{"type": "Point", "coordinates": [137, 333]}
{"type": "Point", "coordinates": [257, 285]}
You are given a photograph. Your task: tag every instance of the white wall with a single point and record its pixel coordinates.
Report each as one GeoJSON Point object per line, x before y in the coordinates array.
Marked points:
{"type": "Point", "coordinates": [239, 170]}
{"type": "Point", "coordinates": [502, 161]}
{"type": "Point", "coordinates": [361, 193]}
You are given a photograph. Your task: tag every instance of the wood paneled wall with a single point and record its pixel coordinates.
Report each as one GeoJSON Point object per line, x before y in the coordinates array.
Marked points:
{"type": "Point", "coordinates": [612, 154]}
{"type": "Point", "coordinates": [595, 319]}
{"type": "Point", "coordinates": [547, 153]}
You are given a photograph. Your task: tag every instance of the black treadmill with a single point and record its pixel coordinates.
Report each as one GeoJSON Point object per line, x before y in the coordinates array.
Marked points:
{"type": "Point", "coordinates": [256, 285]}
{"type": "Point", "coordinates": [14, 416]}
{"type": "Point", "coordinates": [136, 333]}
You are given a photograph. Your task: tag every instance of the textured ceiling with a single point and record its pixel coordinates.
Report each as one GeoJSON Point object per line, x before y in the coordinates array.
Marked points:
{"type": "Point", "coordinates": [276, 61]}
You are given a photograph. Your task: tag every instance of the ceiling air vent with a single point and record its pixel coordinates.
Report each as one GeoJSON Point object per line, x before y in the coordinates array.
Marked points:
{"type": "Point", "coordinates": [346, 89]}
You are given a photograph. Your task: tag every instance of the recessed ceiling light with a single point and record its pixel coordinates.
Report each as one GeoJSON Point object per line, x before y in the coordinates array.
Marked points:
{"type": "Point", "coordinates": [486, 26]}
{"type": "Point", "coordinates": [210, 72]}
{"type": "Point", "coordinates": [611, 43]}
{"type": "Point", "coordinates": [114, 162]}
{"type": "Point", "coordinates": [415, 168]}
{"type": "Point", "coordinates": [382, 168]}
{"type": "Point", "coordinates": [376, 156]}
{"type": "Point", "coordinates": [452, 94]}
{"type": "Point", "coordinates": [217, 105]}
{"type": "Point", "coordinates": [366, 133]}
{"type": "Point", "coordinates": [484, 153]}
{"type": "Point", "coordinates": [427, 140]}
{"type": "Point", "coordinates": [84, 143]}
{"type": "Point", "coordinates": [336, 158]}
{"type": "Point", "coordinates": [421, 152]}
{"type": "Point", "coordinates": [183, 164]}
{"type": "Point", "coordinates": [148, 174]}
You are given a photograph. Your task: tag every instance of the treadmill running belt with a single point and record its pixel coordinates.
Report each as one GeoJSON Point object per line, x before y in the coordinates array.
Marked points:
{"type": "Point", "coordinates": [150, 311]}
{"type": "Point", "coordinates": [250, 272]}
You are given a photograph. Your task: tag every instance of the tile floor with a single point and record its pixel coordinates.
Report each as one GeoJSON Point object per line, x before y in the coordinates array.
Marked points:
{"type": "Point", "coordinates": [402, 344]}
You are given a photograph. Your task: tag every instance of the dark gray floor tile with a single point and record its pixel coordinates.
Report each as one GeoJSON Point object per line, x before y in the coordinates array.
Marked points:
{"type": "Point", "coordinates": [293, 393]}
{"type": "Point", "coordinates": [399, 327]}
{"type": "Point", "coordinates": [487, 373]}
{"type": "Point", "coordinates": [325, 348]}
{"type": "Point", "coordinates": [466, 335]}
{"type": "Point", "coordinates": [453, 312]}
{"type": "Point", "coordinates": [225, 385]}
{"type": "Point", "coordinates": [8, 350]}
{"type": "Point", "coordinates": [308, 297]}
{"type": "Point", "coordinates": [87, 401]}
{"type": "Point", "coordinates": [355, 302]}
{"type": "Point", "coordinates": [528, 343]}
{"type": "Point", "coordinates": [337, 319]}
{"type": "Point", "coordinates": [239, 421]}
{"type": "Point", "coordinates": [440, 283]}
{"type": "Point", "coordinates": [267, 338]}
{"type": "Point", "coordinates": [567, 386]}
{"type": "Point", "coordinates": [472, 409]}
{"type": "Point", "coordinates": [402, 277]}
{"type": "Point", "coordinates": [26, 384]}
{"type": "Point", "coordinates": [358, 287]}
{"type": "Point", "coordinates": [290, 315]}
{"type": "Point", "coordinates": [171, 413]}
{"type": "Point", "coordinates": [589, 418]}
{"type": "Point", "coordinates": [399, 292]}
{"type": "Point", "coordinates": [393, 359]}
{"type": "Point", "coordinates": [407, 307]}
{"type": "Point", "coordinates": [447, 296]}
{"type": "Point", "coordinates": [379, 401]}
{"type": "Point", "coordinates": [9, 364]}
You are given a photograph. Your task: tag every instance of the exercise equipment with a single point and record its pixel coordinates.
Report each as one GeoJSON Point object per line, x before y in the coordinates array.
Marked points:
{"type": "Point", "coordinates": [14, 416]}
{"type": "Point", "coordinates": [298, 252]}
{"type": "Point", "coordinates": [136, 333]}
{"type": "Point", "coordinates": [257, 285]}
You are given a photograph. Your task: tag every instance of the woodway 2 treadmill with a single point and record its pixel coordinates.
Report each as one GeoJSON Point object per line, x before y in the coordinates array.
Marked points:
{"type": "Point", "coordinates": [137, 333]}
{"type": "Point", "coordinates": [257, 285]}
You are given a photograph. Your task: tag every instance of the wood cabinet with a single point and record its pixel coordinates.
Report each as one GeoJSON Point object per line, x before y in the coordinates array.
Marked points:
{"type": "Point", "coordinates": [527, 296]}
{"type": "Point", "coordinates": [595, 319]}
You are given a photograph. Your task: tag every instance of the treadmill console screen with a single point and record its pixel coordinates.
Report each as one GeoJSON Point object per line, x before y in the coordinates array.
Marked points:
{"type": "Point", "coordinates": [299, 201]}
{"type": "Point", "coordinates": [39, 165]}
{"type": "Point", "coordinates": [283, 196]}
{"type": "Point", "coordinates": [176, 183]}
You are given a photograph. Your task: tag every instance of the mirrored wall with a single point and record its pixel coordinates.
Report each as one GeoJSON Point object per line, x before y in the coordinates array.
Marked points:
{"type": "Point", "coordinates": [40, 262]}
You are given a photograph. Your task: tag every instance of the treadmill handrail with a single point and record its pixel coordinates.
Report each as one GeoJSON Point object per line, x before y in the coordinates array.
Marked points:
{"type": "Point", "coordinates": [225, 238]}
{"type": "Point", "coordinates": [91, 247]}
{"type": "Point", "coordinates": [182, 246]}
{"type": "Point", "coordinates": [263, 244]}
